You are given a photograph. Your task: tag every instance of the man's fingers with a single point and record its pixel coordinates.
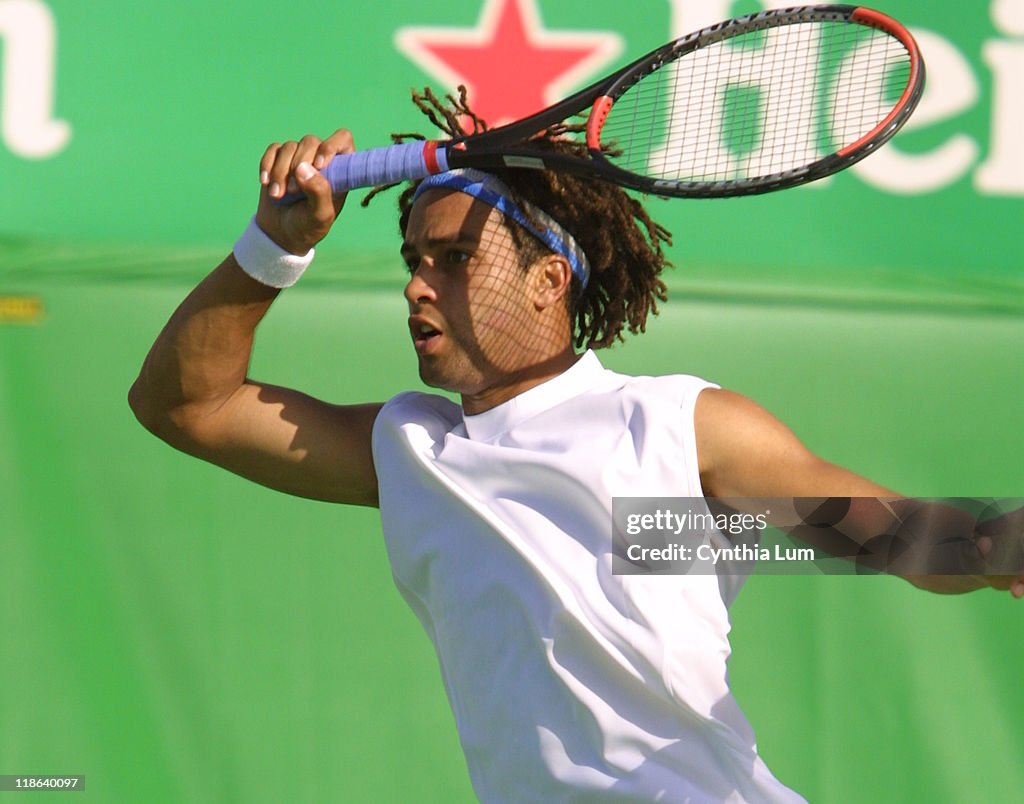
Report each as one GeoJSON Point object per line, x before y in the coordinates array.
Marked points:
{"type": "Point", "coordinates": [340, 142]}
{"type": "Point", "coordinates": [290, 169]}
{"type": "Point", "coordinates": [267, 162]}
{"type": "Point", "coordinates": [279, 167]}
{"type": "Point", "coordinates": [276, 168]}
{"type": "Point", "coordinates": [305, 151]}
{"type": "Point", "coordinates": [317, 190]}
{"type": "Point", "coordinates": [1014, 584]}
{"type": "Point", "coordinates": [280, 162]}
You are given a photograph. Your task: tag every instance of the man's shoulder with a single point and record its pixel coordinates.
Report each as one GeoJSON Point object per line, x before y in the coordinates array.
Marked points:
{"type": "Point", "coordinates": [658, 385]}
{"type": "Point", "coordinates": [419, 405]}
{"type": "Point", "coordinates": [613, 379]}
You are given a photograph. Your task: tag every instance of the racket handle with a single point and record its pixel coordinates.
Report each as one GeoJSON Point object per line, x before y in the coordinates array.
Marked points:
{"type": "Point", "coordinates": [404, 162]}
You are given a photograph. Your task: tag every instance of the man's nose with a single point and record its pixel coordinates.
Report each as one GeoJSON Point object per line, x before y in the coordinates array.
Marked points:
{"type": "Point", "coordinates": [419, 288]}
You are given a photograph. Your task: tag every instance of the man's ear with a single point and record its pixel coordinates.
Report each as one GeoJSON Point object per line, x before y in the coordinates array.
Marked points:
{"type": "Point", "coordinates": [552, 278]}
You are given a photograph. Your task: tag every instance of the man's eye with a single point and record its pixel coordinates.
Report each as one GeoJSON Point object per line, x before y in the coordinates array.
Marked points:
{"type": "Point", "coordinates": [452, 256]}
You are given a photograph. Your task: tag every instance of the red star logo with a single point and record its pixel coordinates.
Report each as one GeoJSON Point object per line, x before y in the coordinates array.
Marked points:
{"type": "Point", "coordinates": [511, 65]}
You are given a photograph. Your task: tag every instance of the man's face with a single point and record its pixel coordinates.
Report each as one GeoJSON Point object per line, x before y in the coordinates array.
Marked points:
{"type": "Point", "coordinates": [471, 314]}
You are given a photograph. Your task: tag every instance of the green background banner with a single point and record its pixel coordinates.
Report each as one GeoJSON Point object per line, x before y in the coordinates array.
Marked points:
{"type": "Point", "coordinates": [177, 634]}
{"type": "Point", "coordinates": [159, 110]}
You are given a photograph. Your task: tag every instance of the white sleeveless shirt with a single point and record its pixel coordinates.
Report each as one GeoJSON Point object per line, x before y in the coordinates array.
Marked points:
{"type": "Point", "coordinates": [567, 682]}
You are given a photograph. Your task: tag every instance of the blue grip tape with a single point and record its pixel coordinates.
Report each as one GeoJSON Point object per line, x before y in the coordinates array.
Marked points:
{"type": "Point", "coordinates": [404, 162]}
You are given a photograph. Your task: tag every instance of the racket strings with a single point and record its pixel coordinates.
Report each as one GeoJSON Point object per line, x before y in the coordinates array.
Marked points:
{"type": "Point", "coordinates": [762, 103]}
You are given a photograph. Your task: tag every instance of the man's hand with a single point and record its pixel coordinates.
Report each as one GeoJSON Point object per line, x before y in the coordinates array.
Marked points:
{"type": "Point", "coordinates": [294, 167]}
{"type": "Point", "coordinates": [1001, 542]}
{"type": "Point", "coordinates": [944, 548]}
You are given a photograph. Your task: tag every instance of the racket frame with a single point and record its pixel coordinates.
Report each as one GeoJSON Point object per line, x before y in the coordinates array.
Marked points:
{"type": "Point", "coordinates": [508, 146]}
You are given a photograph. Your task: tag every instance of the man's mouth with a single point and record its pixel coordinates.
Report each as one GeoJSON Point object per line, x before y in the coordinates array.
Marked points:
{"type": "Point", "coordinates": [424, 335]}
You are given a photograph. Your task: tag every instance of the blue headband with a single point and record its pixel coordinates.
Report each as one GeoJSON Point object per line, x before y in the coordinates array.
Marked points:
{"type": "Point", "coordinates": [494, 192]}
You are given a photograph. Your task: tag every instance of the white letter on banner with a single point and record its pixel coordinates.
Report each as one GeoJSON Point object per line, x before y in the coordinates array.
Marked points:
{"type": "Point", "coordinates": [951, 88]}
{"type": "Point", "coordinates": [1003, 171]}
{"type": "Point", "coordinates": [29, 36]}
{"type": "Point", "coordinates": [780, 104]}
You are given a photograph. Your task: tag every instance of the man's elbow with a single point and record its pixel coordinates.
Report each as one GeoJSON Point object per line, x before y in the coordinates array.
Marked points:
{"type": "Point", "coordinates": [140, 404]}
{"type": "Point", "coordinates": [159, 419]}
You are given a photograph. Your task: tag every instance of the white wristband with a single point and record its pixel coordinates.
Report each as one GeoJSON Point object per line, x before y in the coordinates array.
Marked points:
{"type": "Point", "coordinates": [267, 262]}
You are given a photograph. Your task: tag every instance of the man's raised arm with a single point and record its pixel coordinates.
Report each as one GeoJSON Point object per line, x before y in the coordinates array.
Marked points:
{"type": "Point", "coordinates": [194, 391]}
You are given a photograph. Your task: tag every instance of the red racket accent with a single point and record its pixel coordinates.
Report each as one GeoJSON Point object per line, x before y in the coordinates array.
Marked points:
{"type": "Point", "coordinates": [598, 114]}
{"type": "Point", "coordinates": [430, 156]}
{"type": "Point", "coordinates": [876, 19]}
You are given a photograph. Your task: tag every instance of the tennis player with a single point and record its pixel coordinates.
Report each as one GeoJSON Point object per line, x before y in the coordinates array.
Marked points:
{"type": "Point", "coordinates": [567, 681]}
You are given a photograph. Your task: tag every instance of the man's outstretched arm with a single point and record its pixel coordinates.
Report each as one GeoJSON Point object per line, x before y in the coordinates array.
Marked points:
{"type": "Point", "coordinates": [194, 391]}
{"type": "Point", "coordinates": [746, 453]}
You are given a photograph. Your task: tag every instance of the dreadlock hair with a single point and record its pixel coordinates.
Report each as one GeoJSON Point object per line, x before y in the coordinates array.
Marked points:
{"type": "Point", "coordinates": [623, 245]}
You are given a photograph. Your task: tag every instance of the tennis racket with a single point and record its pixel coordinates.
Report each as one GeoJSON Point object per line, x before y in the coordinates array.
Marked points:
{"type": "Point", "coordinates": [755, 104]}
